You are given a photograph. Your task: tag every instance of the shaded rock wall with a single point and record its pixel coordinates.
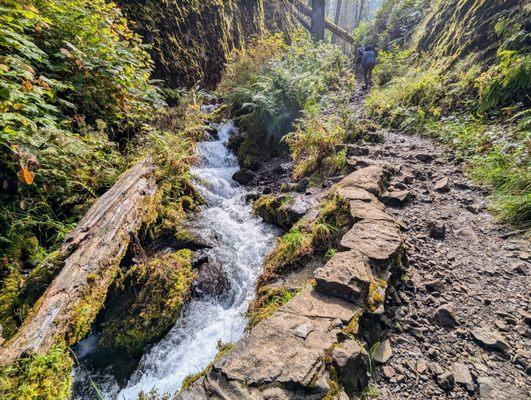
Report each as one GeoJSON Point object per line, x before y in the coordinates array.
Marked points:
{"type": "Point", "coordinates": [457, 28]}
{"type": "Point", "coordinates": [190, 39]}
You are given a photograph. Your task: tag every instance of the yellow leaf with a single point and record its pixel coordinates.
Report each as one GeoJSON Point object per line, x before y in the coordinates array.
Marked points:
{"type": "Point", "coordinates": [25, 176]}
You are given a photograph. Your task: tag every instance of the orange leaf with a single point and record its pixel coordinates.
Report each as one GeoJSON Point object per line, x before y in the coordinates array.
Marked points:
{"type": "Point", "coordinates": [25, 176]}
{"type": "Point", "coordinates": [27, 86]}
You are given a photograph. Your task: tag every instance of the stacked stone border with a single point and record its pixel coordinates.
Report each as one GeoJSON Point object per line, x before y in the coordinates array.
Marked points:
{"type": "Point", "coordinates": [310, 348]}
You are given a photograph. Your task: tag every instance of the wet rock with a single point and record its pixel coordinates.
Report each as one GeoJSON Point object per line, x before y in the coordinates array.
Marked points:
{"type": "Point", "coordinates": [490, 340]}
{"type": "Point", "coordinates": [397, 198]}
{"type": "Point", "coordinates": [352, 363]}
{"type": "Point", "coordinates": [445, 315]}
{"type": "Point", "coordinates": [282, 210]}
{"type": "Point", "coordinates": [346, 275]}
{"type": "Point", "coordinates": [437, 230]}
{"type": "Point", "coordinates": [243, 176]}
{"type": "Point", "coordinates": [446, 381]}
{"type": "Point", "coordinates": [211, 281]}
{"type": "Point", "coordinates": [383, 352]}
{"type": "Point", "coordinates": [302, 185]}
{"type": "Point", "coordinates": [442, 185]}
{"type": "Point", "coordinates": [462, 375]}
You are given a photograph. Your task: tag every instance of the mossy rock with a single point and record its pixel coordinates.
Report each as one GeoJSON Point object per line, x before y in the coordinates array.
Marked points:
{"type": "Point", "coordinates": [146, 303]}
{"type": "Point", "coordinates": [38, 377]}
{"type": "Point", "coordinates": [281, 210]}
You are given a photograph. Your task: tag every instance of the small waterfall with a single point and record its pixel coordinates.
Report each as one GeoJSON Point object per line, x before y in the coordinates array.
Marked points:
{"type": "Point", "coordinates": [242, 243]}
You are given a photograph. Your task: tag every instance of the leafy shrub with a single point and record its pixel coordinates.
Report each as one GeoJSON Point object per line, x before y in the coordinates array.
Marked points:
{"type": "Point", "coordinates": [391, 63]}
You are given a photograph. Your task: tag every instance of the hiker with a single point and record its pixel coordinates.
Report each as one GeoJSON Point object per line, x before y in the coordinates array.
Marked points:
{"type": "Point", "coordinates": [359, 57]}
{"type": "Point", "coordinates": [368, 61]}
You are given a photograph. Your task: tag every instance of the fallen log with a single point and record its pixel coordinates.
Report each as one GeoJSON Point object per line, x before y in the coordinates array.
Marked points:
{"type": "Point", "coordinates": [340, 32]}
{"type": "Point", "coordinates": [92, 253]}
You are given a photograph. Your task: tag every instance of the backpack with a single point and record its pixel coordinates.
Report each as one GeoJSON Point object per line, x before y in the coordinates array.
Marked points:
{"type": "Point", "coordinates": [369, 58]}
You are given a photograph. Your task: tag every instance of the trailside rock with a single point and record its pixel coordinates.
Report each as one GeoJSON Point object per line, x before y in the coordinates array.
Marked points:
{"type": "Point", "coordinates": [489, 339]}
{"type": "Point", "coordinates": [373, 210]}
{"type": "Point", "coordinates": [383, 352]}
{"type": "Point", "coordinates": [378, 240]}
{"type": "Point", "coordinates": [243, 176]}
{"type": "Point", "coordinates": [446, 381]}
{"type": "Point", "coordinates": [211, 281]}
{"type": "Point", "coordinates": [352, 364]}
{"type": "Point", "coordinates": [462, 375]}
{"type": "Point", "coordinates": [397, 198]}
{"type": "Point", "coordinates": [445, 315]}
{"type": "Point", "coordinates": [371, 179]}
{"type": "Point", "coordinates": [288, 347]}
{"type": "Point", "coordinates": [442, 185]}
{"type": "Point", "coordinates": [346, 275]}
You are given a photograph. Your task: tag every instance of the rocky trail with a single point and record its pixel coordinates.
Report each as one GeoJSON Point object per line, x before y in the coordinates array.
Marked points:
{"type": "Point", "coordinates": [455, 323]}
{"type": "Point", "coordinates": [460, 316]}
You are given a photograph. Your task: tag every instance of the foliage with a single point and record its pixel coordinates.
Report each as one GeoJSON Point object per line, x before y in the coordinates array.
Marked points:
{"type": "Point", "coordinates": [308, 238]}
{"type": "Point", "coordinates": [391, 63]}
{"type": "Point", "coordinates": [268, 301]}
{"type": "Point", "coordinates": [74, 86]}
{"type": "Point", "coordinates": [271, 86]}
{"type": "Point", "coordinates": [46, 377]}
{"type": "Point", "coordinates": [146, 302]}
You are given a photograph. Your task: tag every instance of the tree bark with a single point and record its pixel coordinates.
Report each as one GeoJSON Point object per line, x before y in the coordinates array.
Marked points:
{"type": "Point", "coordinates": [336, 18]}
{"type": "Point", "coordinates": [92, 253]}
{"type": "Point", "coordinates": [307, 11]}
{"type": "Point", "coordinates": [318, 19]}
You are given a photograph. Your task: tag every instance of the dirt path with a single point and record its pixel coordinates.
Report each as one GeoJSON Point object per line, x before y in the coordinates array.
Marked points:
{"type": "Point", "coordinates": [468, 275]}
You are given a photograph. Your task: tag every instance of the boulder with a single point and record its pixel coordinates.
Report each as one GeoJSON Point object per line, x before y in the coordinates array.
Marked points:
{"type": "Point", "coordinates": [287, 348]}
{"type": "Point", "coordinates": [494, 389]}
{"type": "Point", "coordinates": [442, 185]}
{"type": "Point", "coordinates": [383, 352]}
{"type": "Point", "coordinates": [490, 340]}
{"type": "Point", "coordinates": [346, 275]}
{"type": "Point", "coordinates": [211, 281]}
{"type": "Point", "coordinates": [352, 364]}
{"type": "Point", "coordinates": [370, 178]}
{"type": "Point", "coordinates": [378, 240]}
{"type": "Point", "coordinates": [243, 176]}
{"type": "Point", "coordinates": [445, 315]}
{"type": "Point", "coordinates": [374, 210]}
{"type": "Point", "coordinates": [397, 198]}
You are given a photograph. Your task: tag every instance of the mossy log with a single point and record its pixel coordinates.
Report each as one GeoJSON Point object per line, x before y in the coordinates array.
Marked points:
{"type": "Point", "coordinates": [92, 253]}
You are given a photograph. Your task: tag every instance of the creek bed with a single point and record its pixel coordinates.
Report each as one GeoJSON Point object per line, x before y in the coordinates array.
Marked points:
{"type": "Point", "coordinates": [242, 242]}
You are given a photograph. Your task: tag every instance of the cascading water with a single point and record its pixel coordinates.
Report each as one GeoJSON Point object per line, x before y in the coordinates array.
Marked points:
{"type": "Point", "coordinates": [242, 243]}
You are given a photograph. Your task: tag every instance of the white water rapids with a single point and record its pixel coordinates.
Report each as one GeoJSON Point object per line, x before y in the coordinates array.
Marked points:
{"type": "Point", "coordinates": [242, 243]}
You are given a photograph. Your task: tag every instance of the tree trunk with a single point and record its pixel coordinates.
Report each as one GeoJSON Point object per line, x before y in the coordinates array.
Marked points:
{"type": "Point", "coordinates": [92, 254]}
{"type": "Point", "coordinates": [360, 13]}
{"type": "Point", "coordinates": [307, 11]}
{"type": "Point", "coordinates": [318, 19]}
{"type": "Point", "coordinates": [336, 19]}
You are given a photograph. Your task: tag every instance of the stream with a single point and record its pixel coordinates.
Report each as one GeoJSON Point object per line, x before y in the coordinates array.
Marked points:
{"type": "Point", "coordinates": [242, 241]}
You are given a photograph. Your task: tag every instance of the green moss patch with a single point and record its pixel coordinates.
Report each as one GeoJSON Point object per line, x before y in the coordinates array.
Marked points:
{"type": "Point", "coordinates": [38, 377]}
{"type": "Point", "coordinates": [146, 302]}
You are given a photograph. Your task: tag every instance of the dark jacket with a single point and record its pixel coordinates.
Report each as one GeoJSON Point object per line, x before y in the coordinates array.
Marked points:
{"type": "Point", "coordinates": [368, 59]}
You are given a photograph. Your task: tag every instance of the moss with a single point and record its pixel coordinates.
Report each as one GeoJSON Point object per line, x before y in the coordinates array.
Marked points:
{"type": "Point", "coordinates": [190, 379]}
{"type": "Point", "coordinates": [144, 305]}
{"type": "Point", "coordinates": [269, 301]}
{"type": "Point", "coordinates": [308, 239]}
{"type": "Point", "coordinates": [376, 295]}
{"type": "Point", "coordinates": [353, 326]}
{"type": "Point", "coordinates": [19, 292]}
{"type": "Point", "coordinates": [269, 208]}
{"type": "Point", "coordinates": [38, 377]}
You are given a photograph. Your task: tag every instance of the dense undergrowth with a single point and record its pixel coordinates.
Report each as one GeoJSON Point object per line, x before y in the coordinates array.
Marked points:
{"type": "Point", "coordinates": [280, 95]}
{"type": "Point", "coordinates": [476, 103]}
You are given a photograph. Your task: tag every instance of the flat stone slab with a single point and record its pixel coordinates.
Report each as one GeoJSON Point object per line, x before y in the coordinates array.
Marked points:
{"type": "Point", "coordinates": [373, 210]}
{"type": "Point", "coordinates": [355, 193]}
{"type": "Point", "coordinates": [346, 275]}
{"type": "Point", "coordinates": [370, 178]}
{"type": "Point", "coordinates": [378, 240]}
{"type": "Point", "coordinates": [288, 347]}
